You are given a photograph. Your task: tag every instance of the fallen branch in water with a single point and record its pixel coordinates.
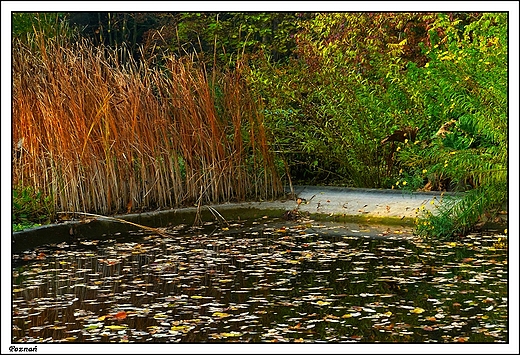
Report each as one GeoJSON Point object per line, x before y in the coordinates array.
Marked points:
{"type": "Point", "coordinates": [114, 219]}
{"type": "Point", "coordinates": [216, 214]}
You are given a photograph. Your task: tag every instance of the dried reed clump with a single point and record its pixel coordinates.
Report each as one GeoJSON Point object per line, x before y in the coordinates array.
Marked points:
{"type": "Point", "coordinates": [105, 138]}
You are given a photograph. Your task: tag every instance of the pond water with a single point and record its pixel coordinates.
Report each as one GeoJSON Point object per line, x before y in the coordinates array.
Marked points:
{"type": "Point", "coordinates": [267, 280]}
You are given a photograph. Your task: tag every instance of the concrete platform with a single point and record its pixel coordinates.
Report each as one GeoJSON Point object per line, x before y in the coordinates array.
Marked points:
{"type": "Point", "coordinates": [342, 201]}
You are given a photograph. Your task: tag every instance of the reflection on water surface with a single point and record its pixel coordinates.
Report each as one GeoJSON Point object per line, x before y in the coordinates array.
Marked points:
{"type": "Point", "coordinates": [269, 281]}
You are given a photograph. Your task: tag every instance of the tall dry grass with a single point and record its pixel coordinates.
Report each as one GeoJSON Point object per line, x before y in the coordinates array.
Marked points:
{"type": "Point", "coordinates": [103, 137]}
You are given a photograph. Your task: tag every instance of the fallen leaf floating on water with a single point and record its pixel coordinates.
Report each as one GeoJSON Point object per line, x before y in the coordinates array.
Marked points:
{"type": "Point", "coordinates": [116, 327]}
{"type": "Point", "coordinates": [221, 314]}
{"type": "Point", "coordinates": [349, 315]}
{"type": "Point", "coordinates": [182, 328]}
{"type": "Point", "coordinates": [93, 326]}
{"type": "Point", "coordinates": [120, 315]}
{"type": "Point", "coordinates": [230, 334]}
{"type": "Point", "coordinates": [418, 310]}
{"type": "Point", "coordinates": [322, 303]}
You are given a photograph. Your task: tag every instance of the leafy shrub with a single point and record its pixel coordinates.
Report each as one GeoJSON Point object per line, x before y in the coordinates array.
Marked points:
{"type": "Point", "coordinates": [338, 98]}
{"type": "Point", "coordinates": [465, 80]}
{"type": "Point", "coordinates": [30, 208]}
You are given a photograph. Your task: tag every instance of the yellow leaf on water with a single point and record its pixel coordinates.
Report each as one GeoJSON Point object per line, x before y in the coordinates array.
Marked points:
{"type": "Point", "coordinates": [93, 326]}
{"type": "Point", "coordinates": [196, 297]}
{"type": "Point", "coordinates": [180, 328]}
{"type": "Point", "coordinates": [418, 310]}
{"type": "Point", "coordinates": [322, 303]}
{"type": "Point", "coordinates": [221, 314]}
{"type": "Point", "coordinates": [349, 315]}
{"type": "Point", "coordinates": [231, 334]}
{"type": "Point", "coordinates": [116, 327]}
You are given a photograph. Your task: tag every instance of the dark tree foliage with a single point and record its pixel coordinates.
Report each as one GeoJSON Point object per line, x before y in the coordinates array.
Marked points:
{"type": "Point", "coordinates": [215, 38]}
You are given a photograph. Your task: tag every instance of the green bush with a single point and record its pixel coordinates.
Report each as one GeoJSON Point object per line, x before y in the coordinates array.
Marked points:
{"type": "Point", "coordinates": [30, 208]}
{"type": "Point", "coordinates": [465, 80]}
